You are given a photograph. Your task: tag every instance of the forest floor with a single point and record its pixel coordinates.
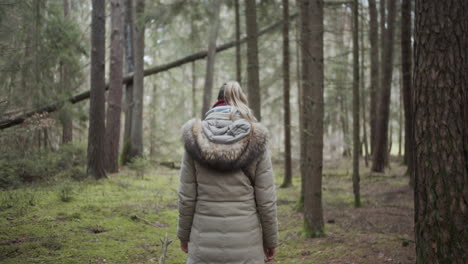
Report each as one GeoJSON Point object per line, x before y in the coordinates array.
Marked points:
{"type": "Point", "coordinates": [124, 218]}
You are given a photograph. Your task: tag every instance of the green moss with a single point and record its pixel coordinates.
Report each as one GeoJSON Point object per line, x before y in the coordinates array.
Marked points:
{"type": "Point", "coordinates": [311, 232]}
{"type": "Point", "coordinates": [97, 225]}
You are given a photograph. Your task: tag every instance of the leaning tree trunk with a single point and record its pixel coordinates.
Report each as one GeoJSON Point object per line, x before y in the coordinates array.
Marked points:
{"type": "Point", "coordinates": [311, 13]}
{"type": "Point", "coordinates": [96, 151]}
{"type": "Point", "coordinates": [253, 78]}
{"type": "Point", "coordinates": [54, 106]}
{"type": "Point", "coordinates": [136, 135]}
{"type": "Point", "coordinates": [441, 131]}
{"type": "Point", "coordinates": [114, 100]}
{"type": "Point", "coordinates": [406, 61]}
{"type": "Point", "coordinates": [374, 70]}
{"type": "Point", "coordinates": [381, 153]}
{"type": "Point", "coordinates": [286, 105]}
{"type": "Point", "coordinates": [356, 143]}
{"type": "Point", "coordinates": [208, 90]}
{"type": "Point", "coordinates": [238, 46]}
{"type": "Point", "coordinates": [129, 67]}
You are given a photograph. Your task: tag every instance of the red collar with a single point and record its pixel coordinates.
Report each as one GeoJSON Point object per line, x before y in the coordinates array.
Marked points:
{"type": "Point", "coordinates": [220, 102]}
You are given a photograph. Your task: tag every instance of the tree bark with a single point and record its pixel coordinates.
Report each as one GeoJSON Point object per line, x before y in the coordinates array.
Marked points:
{"type": "Point", "coordinates": [356, 143]}
{"type": "Point", "coordinates": [406, 64]}
{"type": "Point", "coordinates": [96, 151]}
{"type": "Point", "coordinates": [210, 62]}
{"type": "Point", "coordinates": [136, 135]}
{"type": "Point", "coordinates": [312, 30]}
{"type": "Point", "coordinates": [381, 148]}
{"type": "Point", "coordinates": [129, 68]}
{"type": "Point", "coordinates": [364, 93]}
{"type": "Point", "coordinates": [238, 46]}
{"type": "Point", "coordinates": [374, 70]}
{"type": "Point", "coordinates": [441, 131]}
{"type": "Point", "coordinates": [153, 122]}
{"type": "Point", "coordinates": [300, 103]}
{"type": "Point", "coordinates": [287, 181]}
{"type": "Point", "coordinates": [253, 78]}
{"type": "Point", "coordinates": [114, 99]}
{"type": "Point", "coordinates": [66, 119]}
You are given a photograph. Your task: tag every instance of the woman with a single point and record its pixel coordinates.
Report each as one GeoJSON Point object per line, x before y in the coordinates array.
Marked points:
{"type": "Point", "coordinates": [227, 200]}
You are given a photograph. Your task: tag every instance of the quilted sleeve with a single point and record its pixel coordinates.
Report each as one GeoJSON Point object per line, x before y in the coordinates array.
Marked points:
{"type": "Point", "coordinates": [187, 197]}
{"type": "Point", "coordinates": [265, 195]}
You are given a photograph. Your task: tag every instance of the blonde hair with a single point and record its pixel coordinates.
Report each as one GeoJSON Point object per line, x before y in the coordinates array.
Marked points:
{"type": "Point", "coordinates": [236, 98]}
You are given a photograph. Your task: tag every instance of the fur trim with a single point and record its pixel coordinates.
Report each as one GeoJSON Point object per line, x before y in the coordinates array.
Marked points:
{"type": "Point", "coordinates": [224, 157]}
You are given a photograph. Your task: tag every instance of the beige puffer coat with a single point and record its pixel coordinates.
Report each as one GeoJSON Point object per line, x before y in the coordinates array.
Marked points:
{"type": "Point", "coordinates": [227, 200]}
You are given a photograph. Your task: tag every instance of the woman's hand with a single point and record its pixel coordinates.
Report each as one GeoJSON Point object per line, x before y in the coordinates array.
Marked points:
{"type": "Point", "coordinates": [270, 254]}
{"type": "Point", "coordinates": [184, 246]}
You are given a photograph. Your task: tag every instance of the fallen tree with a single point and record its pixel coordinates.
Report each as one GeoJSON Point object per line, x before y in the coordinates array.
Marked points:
{"type": "Point", "coordinates": [9, 122]}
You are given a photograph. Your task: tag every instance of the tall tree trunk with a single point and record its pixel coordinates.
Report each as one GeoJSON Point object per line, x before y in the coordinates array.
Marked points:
{"type": "Point", "coordinates": [312, 29]}
{"type": "Point", "coordinates": [400, 119]}
{"type": "Point", "coordinates": [364, 93]}
{"type": "Point", "coordinates": [286, 105]}
{"type": "Point", "coordinates": [406, 64]}
{"type": "Point", "coordinates": [253, 77]}
{"type": "Point", "coordinates": [193, 66]}
{"type": "Point", "coordinates": [374, 70]}
{"type": "Point", "coordinates": [114, 100]}
{"type": "Point", "coordinates": [342, 78]}
{"type": "Point", "coordinates": [136, 135]}
{"type": "Point", "coordinates": [194, 89]}
{"type": "Point", "coordinates": [381, 147]}
{"type": "Point", "coordinates": [96, 151]}
{"type": "Point", "coordinates": [441, 131]}
{"type": "Point", "coordinates": [153, 123]}
{"type": "Point", "coordinates": [238, 46]}
{"type": "Point", "coordinates": [356, 143]}
{"type": "Point", "coordinates": [210, 61]}
{"type": "Point", "coordinates": [66, 119]}
{"type": "Point", "coordinates": [300, 103]}
{"type": "Point", "coordinates": [129, 67]}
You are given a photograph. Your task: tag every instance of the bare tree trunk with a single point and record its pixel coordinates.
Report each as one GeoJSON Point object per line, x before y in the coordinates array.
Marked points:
{"type": "Point", "coordinates": [238, 46]}
{"type": "Point", "coordinates": [374, 70]}
{"type": "Point", "coordinates": [312, 29]}
{"type": "Point", "coordinates": [300, 103]}
{"type": "Point", "coordinates": [381, 148]}
{"type": "Point", "coordinates": [194, 72]}
{"type": "Point", "coordinates": [114, 100]}
{"type": "Point", "coordinates": [208, 90]}
{"type": "Point", "coordinates": [153, 122]}
{"type": "Point", "coordinates": [253, 78]}
{"type": "Point", "coordinates": [96, 151]}
{"type": "Point", "coordinates": [342, 78]}
{"type": "Point", "coordinates": [194, 90]}
{"type": "Point", "coordinates": [136, 136]}
{"type": "Point", "coordinates": [286, 105]}
{"type": "Point", "coordinates": [406, 64]}
{"type": "Point", "coordinates": [364, 93]}
{"type": "Point", "coordinates": [400, 120]}
{"type": "Point", "coordinates": [65, 115]}
{"type": "Point", "coordinates": [129, 68]}
{"type": "Point", "coordinates": [441, 131]}
{"type": "Point", "coordinates": [356, 143]}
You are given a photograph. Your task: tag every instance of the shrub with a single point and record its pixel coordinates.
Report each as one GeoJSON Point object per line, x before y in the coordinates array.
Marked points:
{"type": "Point", "coordinates": [66, 193]}
{"type": "Point", "coordinates": [17, 167]}
{"type": "Point", "coordinates": [140, 165]}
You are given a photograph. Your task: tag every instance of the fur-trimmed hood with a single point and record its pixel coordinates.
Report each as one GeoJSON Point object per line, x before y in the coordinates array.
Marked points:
{"type": "Point", "coordinates": [224, 144]}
